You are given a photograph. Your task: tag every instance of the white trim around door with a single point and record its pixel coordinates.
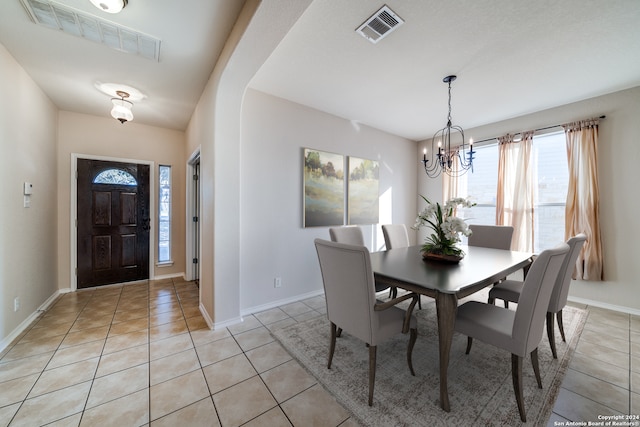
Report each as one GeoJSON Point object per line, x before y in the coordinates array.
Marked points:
{"type": "Point", "coordinates": [192, 229]}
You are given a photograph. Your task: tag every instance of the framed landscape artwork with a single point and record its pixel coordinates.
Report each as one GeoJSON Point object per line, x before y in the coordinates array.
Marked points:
{"type": "Point", "coordinates": [363, 190]}
{"type": "Point", "coordinates": [323, 188]}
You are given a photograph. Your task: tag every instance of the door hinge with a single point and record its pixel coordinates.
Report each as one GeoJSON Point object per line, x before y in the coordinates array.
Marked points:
{"type": "Point", "coordinates": [195, 219]}
{"type": "Point", "coordinates": [196, 177]}
{"type": "Point", "coordinates": [195, 260]}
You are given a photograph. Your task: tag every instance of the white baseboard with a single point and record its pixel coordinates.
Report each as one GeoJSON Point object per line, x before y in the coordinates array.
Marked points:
{"type": "Point", "coordinates": [227, 323]}
{"type": "Point", "coordinates": [169, 276]}
{"type": "Point", "coordinates": [278, 303]}
{"type": "Point", "coordinates": [605, 305]}
{"type": "Point", "coordinates": [206, 317]}
{"type": "Point", "coordinates": [259, 308]}
{"type": "Point", "coordinates": [28, 321]}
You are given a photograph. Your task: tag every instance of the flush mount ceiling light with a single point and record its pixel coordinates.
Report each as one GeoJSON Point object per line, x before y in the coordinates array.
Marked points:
{"type": "Point", "coordinates": [121, 110]}
{"type": "Point", "coordinates": [112, 89]}
{"type": "Point", "coordinates": [110, 6]}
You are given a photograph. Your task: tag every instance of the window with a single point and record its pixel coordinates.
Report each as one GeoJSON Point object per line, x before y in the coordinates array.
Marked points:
{"type": "Point", "coordinates": [552, 176]}
{"type": "Point", "coordinates": [482, 186]}
{"type": "Point", "coordinates": [164, 215]}
{"type": "Point", "coordinates": [550, 154]}
{"type": "Point", "coordinates": [115, 176]}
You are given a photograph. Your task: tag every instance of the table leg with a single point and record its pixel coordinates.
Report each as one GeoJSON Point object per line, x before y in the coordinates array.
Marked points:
{"type": "Point", "coordinates": [446, 306]}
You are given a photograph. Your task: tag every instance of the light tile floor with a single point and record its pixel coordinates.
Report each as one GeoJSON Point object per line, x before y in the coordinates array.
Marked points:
{"type": "Point", "coordinates": [604, 374]}
{"type": "Point", "coordinates": [138, 355]}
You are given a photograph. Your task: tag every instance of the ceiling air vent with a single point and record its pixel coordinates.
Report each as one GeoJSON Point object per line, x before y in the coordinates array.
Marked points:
{"type": "Point", "coordinates": [80, 24]}
{"type": "Point", "coordinates": [380, 24]}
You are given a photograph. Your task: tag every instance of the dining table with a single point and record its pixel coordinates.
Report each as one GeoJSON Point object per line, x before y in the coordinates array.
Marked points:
{"type": "Point", "coordinates": [445, 282]}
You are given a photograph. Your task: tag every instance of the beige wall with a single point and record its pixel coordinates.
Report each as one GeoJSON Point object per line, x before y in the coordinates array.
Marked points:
{"type": "Point", "coordinates": [93, 136]}
{"type": "Point", "coordinates": [28, 121]}
{"type": "Point", "coordinates": [215, 127]}
{"type": "Point", "coordinates": [619, 174]}
{"type": "Point", "coordinates": [273, 242]}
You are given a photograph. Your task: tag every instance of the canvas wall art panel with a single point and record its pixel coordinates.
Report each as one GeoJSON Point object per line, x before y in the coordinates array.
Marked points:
{"type": "Point", "coordinates": [364, 183]}
{"type": "Point", "coordinates": [323, 188]}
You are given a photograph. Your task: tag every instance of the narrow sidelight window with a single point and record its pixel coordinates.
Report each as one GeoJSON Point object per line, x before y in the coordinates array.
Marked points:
{"type": "Point", "coordinates": [164, 215]}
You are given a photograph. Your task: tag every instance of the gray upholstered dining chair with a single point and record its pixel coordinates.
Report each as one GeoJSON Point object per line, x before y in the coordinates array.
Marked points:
{"type": "Point", "coordinates": [395, 236]}
{"type": "Point", "coordinates": [510, 290]}
{"type": "Point", "coordinates": [347, 278]}
{"type": "Point", "coordinates": [491, 236]}
{"type": "Point", "coordinates": [352, 235]}
{"type": "Point", "coordinates": [519, 331]}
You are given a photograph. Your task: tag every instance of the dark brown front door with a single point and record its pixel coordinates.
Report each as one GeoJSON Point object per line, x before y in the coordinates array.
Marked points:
{"type": "Point", "coordinates": [113, 222]}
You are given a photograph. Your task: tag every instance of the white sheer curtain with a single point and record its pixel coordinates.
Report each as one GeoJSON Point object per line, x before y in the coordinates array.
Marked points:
{"type": "Point", "coordinates": [451, 185]}
{"type": "Point", "coordinates": [583, 197]}
{"type": "Point", "coordinates": [515, 196]}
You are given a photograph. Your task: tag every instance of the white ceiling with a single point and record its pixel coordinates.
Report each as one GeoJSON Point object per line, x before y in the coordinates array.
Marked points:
{"type": "Point", "coordinates": [192, 34]}
{"type": "Point", "coordinates": [512, 57]}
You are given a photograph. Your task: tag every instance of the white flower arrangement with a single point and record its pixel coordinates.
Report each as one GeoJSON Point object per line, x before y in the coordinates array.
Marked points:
{"type": "Point", "coordinates": [446, 227]}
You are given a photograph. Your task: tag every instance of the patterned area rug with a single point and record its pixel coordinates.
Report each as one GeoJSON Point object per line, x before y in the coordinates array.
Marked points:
{"type": "Point", "coordinates": [480, 385]}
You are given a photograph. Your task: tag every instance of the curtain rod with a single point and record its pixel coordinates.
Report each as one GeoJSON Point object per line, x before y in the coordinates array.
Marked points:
{"type": "Point", "coordinates": [519, 133]}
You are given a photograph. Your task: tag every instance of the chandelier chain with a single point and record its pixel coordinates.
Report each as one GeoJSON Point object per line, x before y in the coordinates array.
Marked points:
{"type": "Point", "coordinates": [449, 116]}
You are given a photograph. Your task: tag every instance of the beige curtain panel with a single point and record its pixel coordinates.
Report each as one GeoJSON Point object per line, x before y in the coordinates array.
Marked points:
{"type": "Point", "coordinates": [583, 197]}
{"type": "Point", "coordinates": [515, 196]}
{"type": "Point", "coordinates": [453, 187]}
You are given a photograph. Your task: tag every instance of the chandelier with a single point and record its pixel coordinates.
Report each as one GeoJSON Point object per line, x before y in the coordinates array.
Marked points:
{"type": "Point", "coordinates": [454, 159]}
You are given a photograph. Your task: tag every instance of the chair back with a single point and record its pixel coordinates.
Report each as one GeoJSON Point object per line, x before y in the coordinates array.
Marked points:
{"type": "Point", "coordinates": [349, 235]}
{"type": "Point", "coordinates": [395, 236]}
{"type": "Point", "coordinates": [561, 289]}
{"type": "Point", "coordinates": [491, 236]}
{"type": "Point", "coordinates": [534, 299]}
{"type": "Point", "coordinates": [348, 283]}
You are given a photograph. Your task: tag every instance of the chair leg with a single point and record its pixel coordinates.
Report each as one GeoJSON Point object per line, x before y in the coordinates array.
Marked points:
{"type": "Point", "coordinates": [491, 301]}
{"type": "Point", "coordinates": [339, 332]}
{"type": "Point", "coordinates": [516, 375]}
{"type": "Point", "coordinates": [560, 326]}
{"type": "Point", "coordinates": [469, 342]}
{"type": "Point", "coordinates": [536, 366]}
{"type": "Point", "coordinates": [506, 304]}
{"type": "Point", "coordinates": [412, 340]}
{"type": "Point", "coordinates": [419, 302]}
{"type": "Point", "coordinates": [372, 372]}
{"type": "Point", "coordinates": [550, 335]}
{"type": "Point", "coordinates": [332, 344]}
